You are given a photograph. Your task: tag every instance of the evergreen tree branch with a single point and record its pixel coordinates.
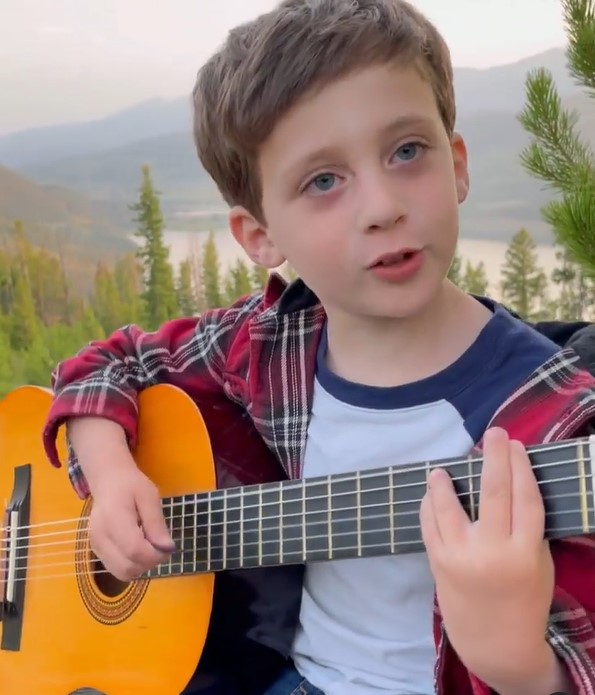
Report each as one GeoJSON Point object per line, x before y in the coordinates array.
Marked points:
{"type": "Point", "coordinates": [579, 17]}
{"type": "Point", "coordinates": [557, 155]}
{"type": "Point", "coordinates": [573, 221]}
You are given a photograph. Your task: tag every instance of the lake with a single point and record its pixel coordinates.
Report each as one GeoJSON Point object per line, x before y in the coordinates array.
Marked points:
{"type": "Point", "coordinates": [490, 252]}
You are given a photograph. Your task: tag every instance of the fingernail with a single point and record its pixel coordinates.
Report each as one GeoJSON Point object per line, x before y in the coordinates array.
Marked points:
{"type": "Point", "coordinates": [164, 548]}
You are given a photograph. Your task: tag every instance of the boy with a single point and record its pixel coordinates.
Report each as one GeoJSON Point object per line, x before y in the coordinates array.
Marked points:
{"type": "Point", "coordinates": [328, 126]}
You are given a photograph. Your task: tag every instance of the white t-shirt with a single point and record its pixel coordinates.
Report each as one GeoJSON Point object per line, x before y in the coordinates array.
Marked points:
{"type": "Point", "coordinates": [366, 624]}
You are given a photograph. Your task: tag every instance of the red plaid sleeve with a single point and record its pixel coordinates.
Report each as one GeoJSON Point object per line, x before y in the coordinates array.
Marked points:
{"type": "Point", "coordinates": [104, 378]}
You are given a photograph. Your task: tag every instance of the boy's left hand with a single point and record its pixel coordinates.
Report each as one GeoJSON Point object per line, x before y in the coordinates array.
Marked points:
{"type": "Point", "coordinates": [495, 576]}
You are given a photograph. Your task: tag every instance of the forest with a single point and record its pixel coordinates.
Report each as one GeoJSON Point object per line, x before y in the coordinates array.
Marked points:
{"type": "Point", "coordinates": [48, 312]}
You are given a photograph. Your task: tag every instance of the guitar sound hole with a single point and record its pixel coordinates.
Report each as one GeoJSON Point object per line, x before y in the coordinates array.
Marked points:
{"type": "Point", "coordinates": [106, 583]}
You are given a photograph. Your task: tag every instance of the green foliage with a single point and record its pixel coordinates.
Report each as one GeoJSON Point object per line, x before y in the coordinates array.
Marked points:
{"type": "Point", "coordinates": [211, 274]}
{"type": "Point", "coordinates": [44, 318]}
{"type": "Point", "coordinates": [159, 295]}
{"type": "Point", "coordinates": [524, 283]}
{"type": "Point", "coordinates": [558, 154]}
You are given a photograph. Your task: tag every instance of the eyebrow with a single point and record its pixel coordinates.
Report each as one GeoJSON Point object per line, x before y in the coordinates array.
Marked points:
{"type": "Point", "coordinates": [324, 154]}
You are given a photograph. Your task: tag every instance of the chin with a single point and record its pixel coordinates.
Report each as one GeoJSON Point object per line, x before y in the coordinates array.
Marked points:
{"type": "Point", "coordinates": [405, 303]}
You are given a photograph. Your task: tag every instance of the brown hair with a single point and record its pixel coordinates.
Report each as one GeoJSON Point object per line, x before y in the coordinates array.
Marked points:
{"type": "Point", "coordinates": [268, 64]}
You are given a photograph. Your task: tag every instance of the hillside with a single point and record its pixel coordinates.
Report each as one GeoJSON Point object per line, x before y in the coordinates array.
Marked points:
{"type": "Point", "coordinates": [51, 213]}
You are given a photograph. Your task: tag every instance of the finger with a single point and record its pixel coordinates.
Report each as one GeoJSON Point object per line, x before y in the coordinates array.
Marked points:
{"type": "Point", "coordinates": [152, 521]}
{"type": "Point", "coordinates": [528, 513]}
{"type": "Point", "coordinates": [495, 492]}
{"type": "Point", "coordinates": [118, 565]}
{"type": "Point", "coordinates": [450, 518]}
{"type": "Point", "coordinates": [124, 531]}
{"type": "Point", "coordinates": [430, 532]}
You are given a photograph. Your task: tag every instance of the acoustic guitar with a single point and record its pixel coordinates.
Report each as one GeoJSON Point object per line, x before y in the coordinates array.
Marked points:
{"type": "Point", "coordinates": [68, 626]}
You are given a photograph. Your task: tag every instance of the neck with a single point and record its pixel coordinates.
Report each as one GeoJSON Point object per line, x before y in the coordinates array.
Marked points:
{"type": "Point", "coordinates": [351, 515]}
{"type": "Point", "coordinates": [426, 343]}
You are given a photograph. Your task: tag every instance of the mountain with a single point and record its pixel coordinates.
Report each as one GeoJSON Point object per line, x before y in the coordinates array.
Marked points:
{"type": "Point", "coordinates": [145, 120]}
{"type": "Point", "coordinates": [503, 86]}
{"type": "Point", "coordinates": [476, 90]}
{"type": "Point", "coordinates": [51, 213]}
{"type": "Point", "coordinates": [102, 159]}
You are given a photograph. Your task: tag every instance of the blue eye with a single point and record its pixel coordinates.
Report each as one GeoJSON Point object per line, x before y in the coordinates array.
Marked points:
{"type": "Point", "coordinates": [408, 151]}
{"type": "Point", "coordinates": [324, 182]}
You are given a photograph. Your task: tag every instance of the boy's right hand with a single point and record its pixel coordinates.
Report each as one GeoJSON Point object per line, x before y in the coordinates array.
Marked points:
{"type": "Point", "coordinates": [127, 529]}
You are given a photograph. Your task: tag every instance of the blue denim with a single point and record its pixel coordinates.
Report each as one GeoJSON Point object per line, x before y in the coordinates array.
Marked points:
{"type": "Point", "coordinates": [290, 682]}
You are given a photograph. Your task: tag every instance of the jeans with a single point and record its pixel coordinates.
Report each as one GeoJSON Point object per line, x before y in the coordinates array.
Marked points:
{"type": "Point", "coordinates": [290, 682]}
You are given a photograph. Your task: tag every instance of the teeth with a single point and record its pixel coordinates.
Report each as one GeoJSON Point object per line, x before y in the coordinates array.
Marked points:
{"type": "Point", "coordinates": [393, 259]}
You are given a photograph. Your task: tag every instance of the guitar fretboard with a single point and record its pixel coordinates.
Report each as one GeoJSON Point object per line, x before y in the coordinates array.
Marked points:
{"type": "Point", "coordinates": [352, 515]}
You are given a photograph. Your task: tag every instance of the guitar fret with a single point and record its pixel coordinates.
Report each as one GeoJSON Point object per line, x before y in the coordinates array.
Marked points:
{"type": "Point", "coordinates": [376, 515]}
{"type": "Point", "coordinates": [209, 530]}
{"type": "Point", "coordinates": [360, 514]}
{"type": "Point", "coordinates": [241, 543]}
{"type": "Point", "coordinates": [217, 535]}
{"type": "Point", "coordinates": [472, 508]}
{"type": "Point", "coordinates": [260, 525]}
{"type": "Point", "coordinates": [591, 460]}
{"type": "Point", "coordinates": [581, 456]}
{"type": "Point", "coordinates": [225, 539]}
{"type": "Point", "coordinates": [271, 541]}
{"type": "Point", "coordinates": [304, 527]}
{"type": "Point", "coordinates": [171, 521]}
{"type": "Point", "coordinates": [280, 524]}
{"type": "Point", "coordinates": [316, 519]}
{"type": "Point", "coordinates": [358, 503]}
{"type": "Point", "coordinates": [293, 535]}
{"type": "Point", "coordinates": [195, 535]}
{"type": "Point", "coordinates": [391, 507]}
{"type": "Point", "coordinates": [329, 511]}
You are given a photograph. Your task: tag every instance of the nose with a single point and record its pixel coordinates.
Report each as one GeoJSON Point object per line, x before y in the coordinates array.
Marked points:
{"type": "Point", "coordinates": [382, 205]}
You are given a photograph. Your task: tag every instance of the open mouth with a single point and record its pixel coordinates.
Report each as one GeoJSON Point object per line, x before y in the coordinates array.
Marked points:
{"type": "Point", "coordinates": [396, 258]}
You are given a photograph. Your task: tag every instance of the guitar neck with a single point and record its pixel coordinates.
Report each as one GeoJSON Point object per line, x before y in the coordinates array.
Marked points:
{"type": "Point", "coordinates": [363, 514]}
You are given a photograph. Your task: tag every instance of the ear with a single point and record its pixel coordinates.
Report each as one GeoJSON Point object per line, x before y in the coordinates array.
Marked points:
{"type": "Point", "coordinates": [460, 161]}
{"type": "Point", "coordinates": [253, 237]}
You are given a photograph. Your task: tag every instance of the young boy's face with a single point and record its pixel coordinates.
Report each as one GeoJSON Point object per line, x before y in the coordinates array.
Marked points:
{"type": "Point", "coordinates": [361, 170]}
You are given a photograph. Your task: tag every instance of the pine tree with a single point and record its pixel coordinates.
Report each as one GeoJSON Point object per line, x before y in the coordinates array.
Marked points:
{"type": "Point", "coordinates": [556, 153]}
{"type": "Point", "coordinates": [455, 272]}
{"type": "Point", "coordinates": [195, 258]}
{"type": "Point", "coordinates": [576, 292]}
{"type": "Point", "coordinates": [187, 302]}
{"type": "Point", "coordinates": [524, 283]}
{"type": "Point", "coordinates": [211, 274]}
{"type": "Point", "coordinates": [475, 279]}
{"type": "Point", "coordinates": [160, 301]}
{"type": "Point", "coordinates": [239, 281]}
{"type": "Point", "coordinates": [259, 277]}
{"type": "Point", "coordinates": [107, 306]}
{"type": "Point", "coordinates": [24, 328]}
{"type": "Point", "coordinates": [129, 285]}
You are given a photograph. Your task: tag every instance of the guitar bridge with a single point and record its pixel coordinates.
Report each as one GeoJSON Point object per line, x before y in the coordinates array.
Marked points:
{"type": "Point", "coordinates": [15, 542]}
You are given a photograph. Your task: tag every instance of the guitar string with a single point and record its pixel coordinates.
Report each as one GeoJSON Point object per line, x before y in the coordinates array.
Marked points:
{"type": "Point", "coordinates": [257, 559]}
{"type": "Point", "coordinates": [259, 542]}
{"type": "Point", "coordinates": [409, 468]}
{"type": "Point", "coordinates": [228, 527]}
{"type": "Point", "coordinates": [79, 533]}
{"type": "Point", "coordinates": [299, 485]}
{"type": "Point", "coordinates": [183, 503]}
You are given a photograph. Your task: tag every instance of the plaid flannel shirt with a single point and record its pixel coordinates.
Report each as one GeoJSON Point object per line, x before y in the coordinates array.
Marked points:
{"type": "Point", "coordinates": [261, 353]}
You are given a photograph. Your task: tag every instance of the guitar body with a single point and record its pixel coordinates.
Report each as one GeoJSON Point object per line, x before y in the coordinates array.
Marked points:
{"type": "Point", "coordinates": [78, 632]}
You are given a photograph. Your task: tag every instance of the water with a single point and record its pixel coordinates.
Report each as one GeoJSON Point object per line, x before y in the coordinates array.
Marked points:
{"type": "Point", "coordinates": [492, 253]}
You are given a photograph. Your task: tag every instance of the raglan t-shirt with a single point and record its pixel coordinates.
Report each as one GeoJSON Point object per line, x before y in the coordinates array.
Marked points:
{"type": "Point", "coordinates": [366, 624]}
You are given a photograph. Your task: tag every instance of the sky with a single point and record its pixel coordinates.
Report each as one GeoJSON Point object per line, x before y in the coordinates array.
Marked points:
{"type": "Point", "coordinates": [67, 60]}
